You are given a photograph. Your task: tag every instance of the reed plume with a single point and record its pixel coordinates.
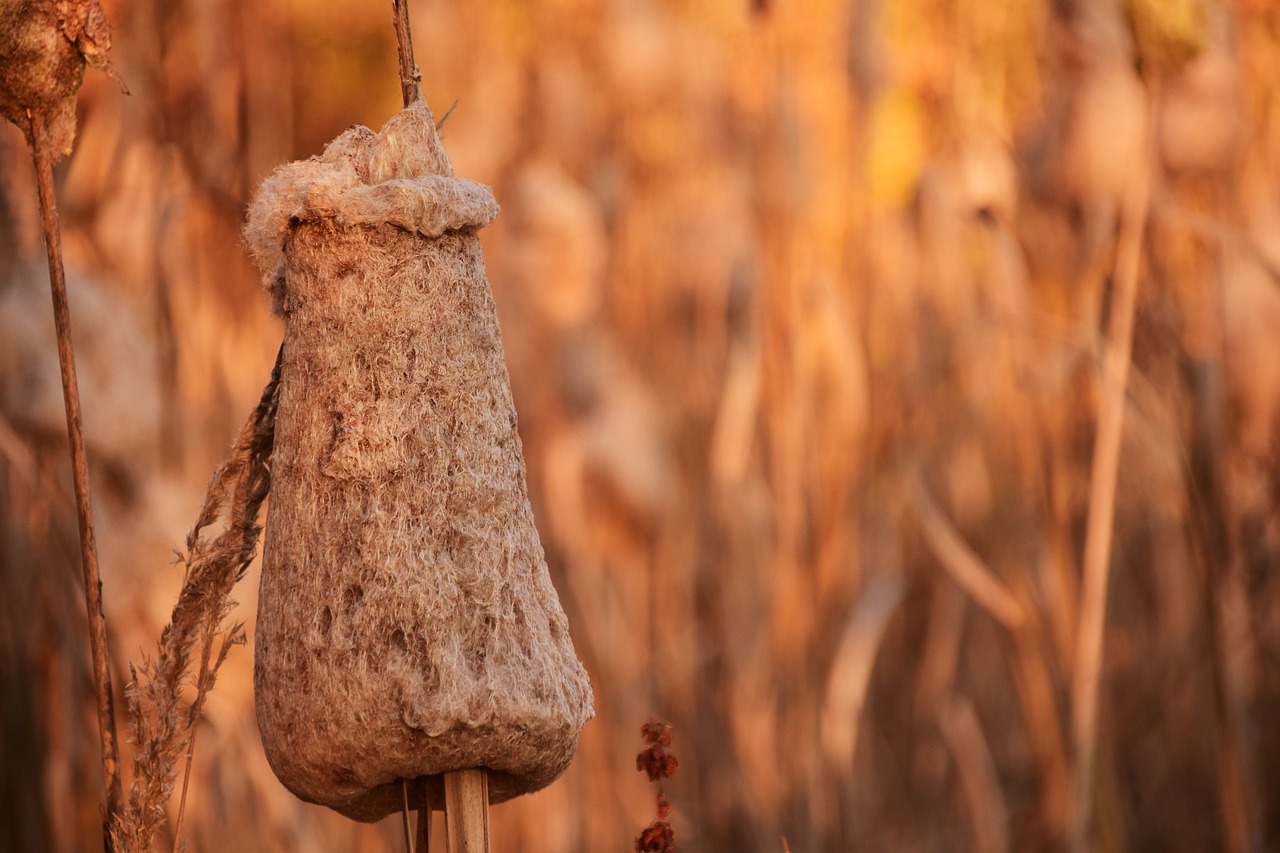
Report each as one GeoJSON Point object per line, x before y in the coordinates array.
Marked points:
{"type": "Point", "coordinates": [161, 724]}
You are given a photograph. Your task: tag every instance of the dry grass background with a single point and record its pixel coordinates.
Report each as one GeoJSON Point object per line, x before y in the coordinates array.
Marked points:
{"type": "Point", "coordinates": [806, 308]}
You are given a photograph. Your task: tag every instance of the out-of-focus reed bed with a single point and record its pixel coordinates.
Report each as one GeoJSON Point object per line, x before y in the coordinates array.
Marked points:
{"type": "Point", "coordinates": [815, 315]}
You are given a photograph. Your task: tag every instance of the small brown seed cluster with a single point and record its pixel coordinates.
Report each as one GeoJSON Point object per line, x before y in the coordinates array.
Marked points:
{"type": "Point", "coordinates": [658, 764]}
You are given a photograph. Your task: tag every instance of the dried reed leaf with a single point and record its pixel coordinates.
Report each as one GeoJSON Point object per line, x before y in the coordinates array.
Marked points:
{"type": "Point", "coordinates": [965, 567]}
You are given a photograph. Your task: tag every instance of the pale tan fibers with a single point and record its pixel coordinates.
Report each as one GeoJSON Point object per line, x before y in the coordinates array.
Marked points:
{"type": "Point", "coordinates": [407, 625]}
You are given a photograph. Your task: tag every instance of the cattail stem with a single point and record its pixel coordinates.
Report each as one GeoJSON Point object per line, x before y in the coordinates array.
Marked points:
{"type": "Point", "coordinates": [80, 478]}
{"type": "Point", "coordinates": [410, 76]}
{"type": "Point", "coordinates": [1102, 486]}
{"type": "Point", "coordinates": [404, 815]}
{"type": "Point", "coordinates": [466, 792]}
{"type": "Point", "coordinates": [423, 844]}
{"type": "Point", "coordinates": [466, 811]}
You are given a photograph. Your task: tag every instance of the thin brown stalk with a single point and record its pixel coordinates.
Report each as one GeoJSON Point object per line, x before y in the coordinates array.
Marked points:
{"type": "Point", "coordinates": [410, 76]}
{"type": "Point", "coordinates": [204, 683]}
{"type": "Point", "coordinates": [1034, 682]}
{"type": "Point", "coordinates": [205, 650]}
{"type": "Point", "coordinates": [423, 843]}
{"type": "Point", "coordinates": [850, 678]}
{"type": "Point", "coordinates": [1102, 485]}
{"type": "Point", "coordinates": [447, 113]}
{"type": "Point", "coordinates": [80, 478]}
{"type": "Point", "coordinates": [404, 815]}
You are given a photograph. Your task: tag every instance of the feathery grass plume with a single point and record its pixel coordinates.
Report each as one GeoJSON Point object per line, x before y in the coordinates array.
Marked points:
{"type": "Point", "coordinates": [161, 726]}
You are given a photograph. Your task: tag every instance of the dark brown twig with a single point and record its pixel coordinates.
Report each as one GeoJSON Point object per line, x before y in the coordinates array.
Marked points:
{"type": "Point", "coordinates": [423, 842]}
{"type": "Point", "coordinates": [404, 814]}
{"type": "Point", "coordinates": [410, 76]}
{"type": "Point", "coordinates": [80, 478]}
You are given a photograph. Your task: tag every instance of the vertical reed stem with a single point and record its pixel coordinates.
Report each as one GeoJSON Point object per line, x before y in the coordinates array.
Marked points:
{"type": "Point", "coordinates": [410, 76]}
{"type": "Point", "coordinates": [423, 844]}
{"type": "Point", "coordinates": [466, 811]}
{"type": "Point", "coordinates": [80, 478]}
{"type": "Point", "coordinates": [1103, 478]}
{"type": "Point", "coordinates": [466, 792]}
{"type": "Point", "coordinates": [404, 815]}
{"type": "Point", "coordinates": [460, 794]}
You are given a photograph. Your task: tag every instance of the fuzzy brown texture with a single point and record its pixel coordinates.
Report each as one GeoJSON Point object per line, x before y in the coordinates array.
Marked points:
{"type": "Point", "coordinates": [407, 625]}
{"type": "Point", "coordinates": [44, 45]}
{"type": "Point", "coordinates": [400, 177]}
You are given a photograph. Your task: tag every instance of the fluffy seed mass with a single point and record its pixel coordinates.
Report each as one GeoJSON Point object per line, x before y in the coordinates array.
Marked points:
{"type": "Point", "coordinates": [407, 625]}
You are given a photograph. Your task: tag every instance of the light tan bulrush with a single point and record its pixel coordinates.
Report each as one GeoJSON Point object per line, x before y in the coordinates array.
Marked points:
{"type": "Point", "coordinates": [407, 625]}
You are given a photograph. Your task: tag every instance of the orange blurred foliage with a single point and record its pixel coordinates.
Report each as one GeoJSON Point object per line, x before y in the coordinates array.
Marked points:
{"type": "Point", "coordinates": [807, 308]}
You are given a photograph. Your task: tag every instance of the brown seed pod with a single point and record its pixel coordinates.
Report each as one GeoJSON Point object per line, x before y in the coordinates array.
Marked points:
{"type": "Point", "coordinates": [407, 625]}
{"type": "Point", "coordinates": [44, 45]}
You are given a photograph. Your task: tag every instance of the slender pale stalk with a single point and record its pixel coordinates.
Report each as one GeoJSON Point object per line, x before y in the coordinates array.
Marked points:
{"type": "Point", "coordinates": [1102, 486]}
{"type": "Point", "coordinates": [466, 811]}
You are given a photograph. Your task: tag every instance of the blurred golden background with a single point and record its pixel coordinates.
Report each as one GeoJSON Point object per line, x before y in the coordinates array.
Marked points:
{"type": "Point", "coordinates": [842, 336]}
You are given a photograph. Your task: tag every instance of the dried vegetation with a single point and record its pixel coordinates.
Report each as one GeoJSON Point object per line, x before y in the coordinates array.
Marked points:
{"type": "Point", "coordinates": [812, 316]}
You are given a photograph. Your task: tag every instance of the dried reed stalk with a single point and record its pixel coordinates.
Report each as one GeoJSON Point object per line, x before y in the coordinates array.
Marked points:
{"type": "Point", "coordinates": [45, 47]}
{"type": "Point", "coordinates": [976, 768]}
{"type": "Point", "coordinates": [962, 563]}
{"type": "Point", "coordinates": [161, 725]}
{"type": "Point", "coordinates": [404, 816]}
{"type": "Point", "coordinates": [80, 479]}
{"type": "Point", "coordinates": [411, 91]}
{"type": "Point", "coordinates": [1103, 479]}
{"type": "Point", "coordinates": [410, 76]}
{"type": "Point", "coordinates": [466, 811]}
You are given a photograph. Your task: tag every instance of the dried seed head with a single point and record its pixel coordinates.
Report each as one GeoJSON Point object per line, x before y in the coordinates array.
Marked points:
{"type": "Point", "coordinates": [45, 44]}
{"type": "Point", "coordinates": [407, 623]}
